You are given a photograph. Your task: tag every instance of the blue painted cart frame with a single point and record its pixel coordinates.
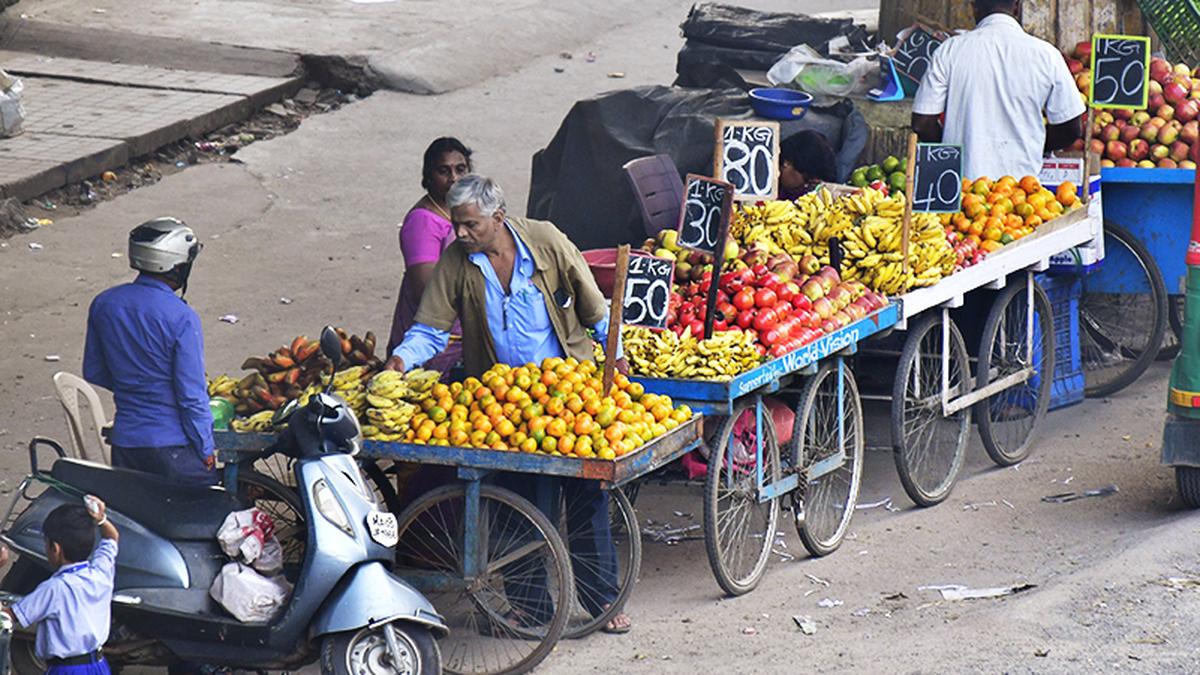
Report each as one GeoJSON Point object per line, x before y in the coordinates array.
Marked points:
{"type": "Point", "coordinates": [1155, 205]}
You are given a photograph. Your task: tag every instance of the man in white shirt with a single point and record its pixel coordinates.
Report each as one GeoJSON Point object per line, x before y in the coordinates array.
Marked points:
{"type": "Point", "coordinates": [1007, 96]}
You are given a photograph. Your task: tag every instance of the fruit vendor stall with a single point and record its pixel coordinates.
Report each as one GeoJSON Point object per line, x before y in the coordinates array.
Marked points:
{"type": "Point", "coordinates": [469, 544]}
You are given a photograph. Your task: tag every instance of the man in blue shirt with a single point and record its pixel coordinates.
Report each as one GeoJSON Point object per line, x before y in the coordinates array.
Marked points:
{"type": "Point", "coordinates": [145, 346]}
{"type": "Point", "coordinates": [524, 294]}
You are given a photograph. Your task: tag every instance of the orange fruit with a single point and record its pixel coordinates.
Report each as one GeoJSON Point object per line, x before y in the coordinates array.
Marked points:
{"type": "Point", "coordinates": [991, 246]}
{"type": "Point", "coordinates": [584, 424]}
{"type": "Point", "coordinates": [1066, 194]}
{"type": "Point", "coordinates": [1029, 184]}
{"type": "Point", "coordinates": [976, 227]}
{"type": "Point", "coordinates": [1032, 221]}
{"type": "Point", "coordinates": [549, 444]}
{"type": "Point", "coordinates": [557, 428]}
{"type": "Point", "coordinates": [505, 428]}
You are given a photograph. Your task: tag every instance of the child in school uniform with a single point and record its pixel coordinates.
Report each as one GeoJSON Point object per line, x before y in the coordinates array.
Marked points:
{"type": "Point", "coordinates": [72, 609]}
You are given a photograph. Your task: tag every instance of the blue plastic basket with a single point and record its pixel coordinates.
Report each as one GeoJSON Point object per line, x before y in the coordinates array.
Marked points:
{"type": "Point", "coordinates": [1064, 291]}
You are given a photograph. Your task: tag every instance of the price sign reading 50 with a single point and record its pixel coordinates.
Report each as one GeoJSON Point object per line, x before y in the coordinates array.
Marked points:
{"type": "Point", "coordinates": [1120, 71]}
{"type": "Point", "coordinates": [647, 291]}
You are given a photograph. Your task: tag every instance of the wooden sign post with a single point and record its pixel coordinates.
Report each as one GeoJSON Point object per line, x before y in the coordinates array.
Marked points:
{"type": "Point", "coordinates": [615, 312]}
{"type": "Point", "coordinates": [906, 232]}
{"type": "Point", "coordinates": [704, 226]}
{"type": "Point", "coordinates": [747, 155]}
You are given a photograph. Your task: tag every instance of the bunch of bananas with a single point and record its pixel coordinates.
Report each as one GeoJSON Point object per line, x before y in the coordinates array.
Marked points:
{"type": "Point", "coordinates": [222, 387]}
{"type": "Point", "coordinates": [258, 422]}
{"type": "Point", "coordinates": [392, 397]}
{"type": "Point", "coordinates": [349, 385]}
{"type": "Point", "coordinates": [664, 354]}
{"type": "Point", "coordinates": [870, 227]}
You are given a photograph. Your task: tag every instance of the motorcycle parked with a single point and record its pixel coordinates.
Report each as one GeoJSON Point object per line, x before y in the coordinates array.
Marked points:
{"type": "Point", "coordinates": [347, 609]}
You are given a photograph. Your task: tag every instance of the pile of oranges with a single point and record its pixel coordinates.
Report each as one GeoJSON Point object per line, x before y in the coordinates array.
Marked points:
{"type": "Point", "coordinates": [555, 408]}
{"type": "Point", "coordinates": [1000, 212]}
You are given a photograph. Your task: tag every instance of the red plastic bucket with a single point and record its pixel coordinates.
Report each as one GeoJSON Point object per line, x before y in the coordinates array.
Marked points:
{"type": "Point", "coordinates": [603, 264]}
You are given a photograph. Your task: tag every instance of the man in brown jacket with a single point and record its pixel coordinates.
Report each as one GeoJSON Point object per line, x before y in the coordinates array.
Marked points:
{"type": "Point", "coordinates": [523, 293]}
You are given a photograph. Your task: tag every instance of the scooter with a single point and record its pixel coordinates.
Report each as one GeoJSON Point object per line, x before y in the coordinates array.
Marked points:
{"type": "Point", "coordinates": [347, 609]}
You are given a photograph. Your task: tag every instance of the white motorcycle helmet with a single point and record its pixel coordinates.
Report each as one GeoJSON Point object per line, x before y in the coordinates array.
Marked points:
{"type": "Point", "coordinates": [164, 246]}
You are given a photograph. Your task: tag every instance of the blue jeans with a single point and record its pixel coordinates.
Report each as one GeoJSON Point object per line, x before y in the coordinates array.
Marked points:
{"type": "Point", "coordinates": [589, 540]}
{"type": "Point", "coordinates": [177, 463]}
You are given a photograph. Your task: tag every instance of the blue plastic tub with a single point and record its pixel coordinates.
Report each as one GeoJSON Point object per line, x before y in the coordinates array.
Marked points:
{"type": "Point", "coordinates": [780, 104]}
{"type": "Point", "coordinates": [1064, 291]}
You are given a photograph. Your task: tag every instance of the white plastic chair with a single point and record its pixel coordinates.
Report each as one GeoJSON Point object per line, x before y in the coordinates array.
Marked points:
{"type": "Point", "coordinates": [69, 388]}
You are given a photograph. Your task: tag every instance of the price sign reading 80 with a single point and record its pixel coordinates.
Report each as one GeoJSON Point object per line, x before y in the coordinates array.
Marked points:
{"type": "Point", "coordinates": [704, 214]}
{"type": "Point", "coordinates": [647, 291]}
{"type": "Point", "coordinates": [1121, 68]}
{"type": "Point", "coordinates": [747, 156]}
{"type": "Point", "coordinates": [937, 178]}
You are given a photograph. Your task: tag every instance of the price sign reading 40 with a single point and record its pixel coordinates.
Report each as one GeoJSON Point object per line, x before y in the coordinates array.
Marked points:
{"type": "Point", "coordinates": [707, 203]}
{"type": "Point", "coordinates": [1120, 71]}
{"type": "Point", "coordinates": [647, 291]}
{"type": "Point", "coordinates": [937, 178]}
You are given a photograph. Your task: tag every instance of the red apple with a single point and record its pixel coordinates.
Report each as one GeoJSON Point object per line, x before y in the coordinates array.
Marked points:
{"type": "Point", "coordinates": [1155, 102]}
{"type": "Point", "coordinates": [1157, 122]}
{"type": "Point", "coordinates": [1082, 51]}
{"type": "Point", "coordinates": [1107, 163]}
{"type": "Point", "coordinates": [1154, 87]}
{"type": "Point", "coordinates": [1187, 164]}
{"type": "Point", "coordinates": [1075, 66]}
{"type": "Point", "coordinates": [1190, 132]}
{"type": "Point", "coordinates": [1175, 93]}
{"type": "Point", "coordinates": [1138, 149]}
{"type": "Point", "coordinates": [1083, 80]}
{"type": "Point", "coordinates": [813, 290]}
{"type": "Point", "coordinates": [1104, 117]}
{"type": "Point", "coordinates": [1167, 163]}
{"type": "Point", "coordinates": [1122, 114]}
{"type": "Point", "coordinates": [823, 308]}
{"type": "Point", "coordinates": [1139, 118]}
{"type": "Point", "coordinates": [1181, 69]}
{"type": "Point", "coordinates": [1187, 111]}
{"type": "Point", "coordinates": [1180, 151]}
{"type": "Point", "coordinates": [1159, 151]}
{"type": "Point", "coordinates": [1126, 163]}
{"type": "Point", "coordinates": [1129, 132]}
{"type": "Point", "coordinates": [1149, 132]}
{"type": "Point", "coordinates": [1110, 133]}
{"type": "Point", "coordinates": [1169, 133]}
{"type": "Point", "coordinates": [1145, 164]}
{"type": "Point", "coordinates": [1159, 69]}
{"type": "Point", "coordinates": [1116, 150]}
{"type": "Point", "coordinates": [1165, 112]}
{"type": "Point", "coordinates": [809, 264]}
{"type": "Point", "coordinates": [1097, 146]}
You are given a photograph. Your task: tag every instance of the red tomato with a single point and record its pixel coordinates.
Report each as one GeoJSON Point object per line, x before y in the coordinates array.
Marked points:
{"type": "Point", "coordinates": [697, 328]}
{"type": "Point", "coordinates": [758, 271]}
{"type": "Point", "coordinates": [765, 320]}
{"type": "Point", "coordinates": [779, 350]}
{"type": "Point", "coordinates": [758, 347]}
{"type": "Point", "coordinates": [726, 311]}
{"type": "Point", "coordinates": [786, 293]}
{"type": "Point", "coordinates": [765, 297]}
{"type": "Point", "coordinates": [801, 301]}
{"type": "Point", "coordinates": [770, 337]}
{"type": "Point", "coordinates": [744, 299]}
{"type": "Point", "coordinates": [745, 318]}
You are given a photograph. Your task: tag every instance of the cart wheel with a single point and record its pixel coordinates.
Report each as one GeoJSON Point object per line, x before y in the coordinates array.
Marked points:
{"type": "Point", "coordinates": [1121, 328]}
{"type": "Point", "coordinates": [1187, 482]}
{"type": "Point", "coordinates": [1170, 344]}
{"type": "Point", "coordinates": [589, 565]}
{"type": "Point", "coordinates": [509, 617]}
{"type": "Point", "coordinates": [929, 447]}
{"type": "Point", "coordinates": [282, 503]}
{"type": "Point", "coordinates": [826, 427]}
{"type": "Point", "coordinates": [1007, 419]}
{"type": "Point", "coordinates": [738, 528]}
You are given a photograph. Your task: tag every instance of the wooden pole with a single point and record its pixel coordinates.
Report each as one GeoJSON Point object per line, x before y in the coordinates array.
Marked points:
{"type": "Point", "coordinates": [1087, 155]}
{"type": "Point", "coordinates": [615, 314]}
{"type": "Point", "coordinates": [908, 201]}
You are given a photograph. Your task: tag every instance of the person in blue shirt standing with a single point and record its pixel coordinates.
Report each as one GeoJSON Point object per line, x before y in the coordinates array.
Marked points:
{"type": "Point", "coordinates": [145, 346]}
{"type": "Point", "coordinates": [72, 609]}
{"type": "Point", "coordinates": [524, 294]}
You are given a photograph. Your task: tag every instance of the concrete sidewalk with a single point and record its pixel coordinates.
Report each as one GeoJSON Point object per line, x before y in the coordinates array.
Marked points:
{"type": "Point", "coordinates": [84, 117]}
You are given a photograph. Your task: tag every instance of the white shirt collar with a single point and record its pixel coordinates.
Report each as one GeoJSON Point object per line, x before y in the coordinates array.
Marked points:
{"type": "Point", "coordinates": [999, 20]}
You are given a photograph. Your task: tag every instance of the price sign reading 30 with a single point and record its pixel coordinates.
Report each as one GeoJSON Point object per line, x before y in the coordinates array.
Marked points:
{"type": "Point", "coordinates": [937, 178]}
{"type": "Point", "coordinates": [706, 206]}
{"type": "Point", "coordinates": [647, 291]}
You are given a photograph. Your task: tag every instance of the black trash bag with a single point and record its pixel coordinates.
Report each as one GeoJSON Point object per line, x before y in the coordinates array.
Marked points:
{"type": "Point", "coordinates": [696, 54]}
{"type": "Point", "coordinates": [740, 28]}
{"type": "Point", "coordinates": [578, 182]}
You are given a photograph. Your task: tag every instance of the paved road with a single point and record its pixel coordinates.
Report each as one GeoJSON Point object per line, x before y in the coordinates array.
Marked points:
{"type": "Point", "coordinates": [312, 216]}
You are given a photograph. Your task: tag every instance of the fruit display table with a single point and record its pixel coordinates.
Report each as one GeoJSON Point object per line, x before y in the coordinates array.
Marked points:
{"type": "Point", "coordinates": [468, 544]}
{"type": "Point", "coordinates": [819, 465]}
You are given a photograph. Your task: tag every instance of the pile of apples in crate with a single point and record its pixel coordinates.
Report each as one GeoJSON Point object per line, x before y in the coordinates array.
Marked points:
{"type": "Point", "coordinates": [1162, 135]}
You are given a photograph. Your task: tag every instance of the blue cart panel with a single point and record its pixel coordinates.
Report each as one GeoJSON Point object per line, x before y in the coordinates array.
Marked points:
{"type": "Point", "coordinates": [717, 397]}
{"type": "Point", "coordinates": [1155, 205]}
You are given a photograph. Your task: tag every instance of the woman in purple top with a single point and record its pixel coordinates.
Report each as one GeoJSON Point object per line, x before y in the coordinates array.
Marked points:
{"type": "Point", "coordinates": [427, 232]}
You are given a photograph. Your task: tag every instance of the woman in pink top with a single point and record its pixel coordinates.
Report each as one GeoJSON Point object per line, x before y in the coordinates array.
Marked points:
{"type": "Point", "coordinates": [427, 232]}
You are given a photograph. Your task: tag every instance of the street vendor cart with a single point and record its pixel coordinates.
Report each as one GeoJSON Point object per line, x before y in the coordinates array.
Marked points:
{"type": "Point", "coordinates": [474, 547]}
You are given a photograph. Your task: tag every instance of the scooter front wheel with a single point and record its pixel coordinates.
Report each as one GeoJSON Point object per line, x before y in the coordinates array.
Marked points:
{"type": "Point", "coordinates": [391, 649]}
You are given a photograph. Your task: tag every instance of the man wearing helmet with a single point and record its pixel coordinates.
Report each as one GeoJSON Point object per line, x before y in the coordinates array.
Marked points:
{"type": "Point", "coordinates": [145, 346]}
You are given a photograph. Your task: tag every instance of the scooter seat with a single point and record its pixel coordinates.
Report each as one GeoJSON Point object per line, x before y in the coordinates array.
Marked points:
{"type": "Point", "coordinates": [169, 509]}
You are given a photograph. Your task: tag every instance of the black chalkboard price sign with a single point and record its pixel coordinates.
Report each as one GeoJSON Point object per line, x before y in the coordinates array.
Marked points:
{"type": "Point", "coordinates": [647, 291]}
{"type": "Point", "coordinates": [937, 178]}
{"type": "Point", "coordinates": [707, 204]}
{"type": "Point", "coordinates": [747, 157]}
{"type": "Point", "coordinates": [1120, 71]}
{"type": "Point", "coordinates": [914, 53]}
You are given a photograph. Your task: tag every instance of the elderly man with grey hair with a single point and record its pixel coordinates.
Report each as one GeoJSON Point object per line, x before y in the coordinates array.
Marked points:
{"type": "Point", "coordinates": [523, 294]}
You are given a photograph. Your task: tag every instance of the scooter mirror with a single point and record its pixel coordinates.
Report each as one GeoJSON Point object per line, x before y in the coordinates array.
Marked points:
{"type": "Point", "coordinates": [331, 346]}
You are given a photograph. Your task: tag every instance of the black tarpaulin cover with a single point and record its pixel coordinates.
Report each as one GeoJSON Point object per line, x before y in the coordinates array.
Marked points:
{"type": "Point", "coordinates": [577, 180]}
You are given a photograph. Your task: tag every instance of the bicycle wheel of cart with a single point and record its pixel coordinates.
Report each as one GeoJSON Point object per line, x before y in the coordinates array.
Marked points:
{"type": "Point", "coordinates": [281, 468]}
{"type": "Point", "coordinates": [282, 503]}
{"type": "Point", "coordinates": [1009, 418]}
{"type": "Point", "coordinates": [1171, 345]}
{"type": "Point", "coordinates": [1122, 314]}
{"type": "Point", "coordinates": [928, 446]}
{"type": "Point", "coordinates": [508, 617]}
{"type": "Point", "coordinates": [603, 582]}
{"type": "Point", "coordinates": [739, 529]}
{"type": "Point", "coordinates": [829, 424]}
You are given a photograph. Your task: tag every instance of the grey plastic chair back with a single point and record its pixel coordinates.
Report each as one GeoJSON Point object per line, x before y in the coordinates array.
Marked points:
{"type": "Point", "coordinates": [69, 388]}
{"type": "Point", "coordinates": [659, 190]}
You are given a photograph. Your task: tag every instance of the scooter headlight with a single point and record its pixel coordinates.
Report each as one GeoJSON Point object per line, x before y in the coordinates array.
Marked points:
{"type": "Point", "coordinates": [329, 506]}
